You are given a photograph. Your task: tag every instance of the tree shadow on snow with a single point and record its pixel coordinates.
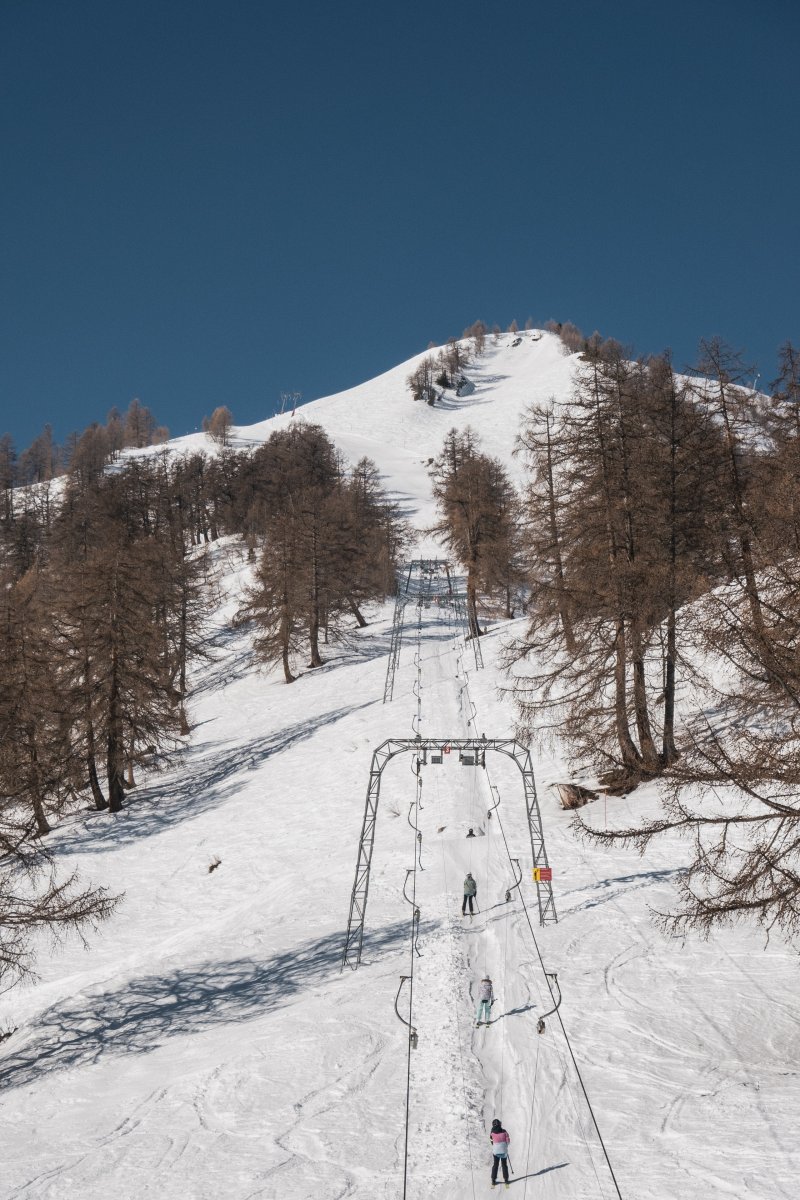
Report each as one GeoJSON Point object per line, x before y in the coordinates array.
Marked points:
{"type": "Point", "coordinates": [221, 669]}
{"type": "Point", "coordinates": [612, 891]}
{"type": "Point", "coordinates": [359, 644]}
{"type": "Point", "coordinates": [207, 777]}
{"type": "Point", "coordinates": [144, 1013]}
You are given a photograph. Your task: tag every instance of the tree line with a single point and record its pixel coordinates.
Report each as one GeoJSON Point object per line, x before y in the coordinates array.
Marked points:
{"type": "Point", "coordinates": [655, 547]}
{"type": "Point", "coordinates": [106, 589]}
{"type": "Point", "coordinates": [45, 459]}
{"type": "Point", "coordinates": [330, 542]}
{"type": "Point", "coordinates": [479, 522]}
{"type": "Point", "coordinates": [661, 539]}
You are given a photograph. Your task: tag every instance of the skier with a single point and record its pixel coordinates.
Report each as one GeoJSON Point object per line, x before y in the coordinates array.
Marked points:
{"type": "Point", "coordinates": [500, 1143]}
{"type": "Point", "coordinates": [471, 833]}
{"type": "Point", "coordinates": [485, 1001]}
{"type": "Point", "coordinates": [470, 892]}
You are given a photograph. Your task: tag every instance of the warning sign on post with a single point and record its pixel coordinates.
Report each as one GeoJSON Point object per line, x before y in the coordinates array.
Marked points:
{"type": "Point", "coordinates": [542, 874]}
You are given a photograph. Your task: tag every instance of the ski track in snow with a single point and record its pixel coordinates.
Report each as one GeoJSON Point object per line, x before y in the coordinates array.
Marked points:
{"type": "Point", "coordinates": [207, 1046]}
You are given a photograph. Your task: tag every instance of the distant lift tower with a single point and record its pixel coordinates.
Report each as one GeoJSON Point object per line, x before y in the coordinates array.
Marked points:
{"type": "Point", "coordinates": [472, 753]}
{"type": "Point", "coordinates": [423, 582]}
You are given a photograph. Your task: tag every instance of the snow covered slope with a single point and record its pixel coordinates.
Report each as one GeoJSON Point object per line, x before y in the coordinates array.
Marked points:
{"type": "Point", "coordinates": [206, 1046]}
{"type": "Point", "coordinates": [379, 419]}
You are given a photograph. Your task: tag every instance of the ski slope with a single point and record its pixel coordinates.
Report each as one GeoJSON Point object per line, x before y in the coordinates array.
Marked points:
{"type": "Point", "coordinates": [206, 1045]}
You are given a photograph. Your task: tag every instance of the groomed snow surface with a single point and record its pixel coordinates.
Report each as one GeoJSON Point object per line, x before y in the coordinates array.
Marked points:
{"type": "Point", "coordinates": [206, 1045]}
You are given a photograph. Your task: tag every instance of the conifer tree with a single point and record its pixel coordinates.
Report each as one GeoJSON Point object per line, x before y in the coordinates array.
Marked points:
{"type": "Point", "coordinates": [618, 539]}
{"type": "Point", "coordinates": [112, 613]}
{"type": "Point", "coordinates": [477, 519]}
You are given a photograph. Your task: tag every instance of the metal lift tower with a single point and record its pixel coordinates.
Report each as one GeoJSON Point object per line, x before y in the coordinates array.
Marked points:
{"type": "Point", "coordinates": [423, 582]}
{"type": "Point", "coordinates": [472, 753]}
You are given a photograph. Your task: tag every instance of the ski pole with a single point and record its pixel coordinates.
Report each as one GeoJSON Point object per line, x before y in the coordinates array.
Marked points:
{"type": "Point", "coordinates": [511, 1169]}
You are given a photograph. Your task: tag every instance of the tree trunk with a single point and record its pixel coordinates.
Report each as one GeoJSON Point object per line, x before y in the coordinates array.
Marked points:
{"type": "Point", "coordinates": [42, 824]}
{"type": "Point", "coordinates": [745, 545]}
{"type": "Point", "coordinates": [287, 672]}
{"type": "Point", "coordinates": [669, 753]}
{"type": "Point", "coordinates": [285, 647]}
{"type": "Point", "coordinates": [286, 626]}
{"type": "Point", "coordinates": [357, 613]}
{"type": "Point", "coordinates": [555, 541]}
{"type": "Point", "coordinates": [649, 754]}
{"type": "Point", "coordinates": [100, 801]}
{"type": "Point", "coordinates": [472, 605]}
{"type": "Point", "coordinates": [114, 745]}
{"type": "Point", "coordinates": [313, 637]}
{"type": "Point", "coordinates": [314, 621]}
{"type": "Point", "coordinates": [182, 638]}
{"type": "Point", "coordinates": [630, 755]}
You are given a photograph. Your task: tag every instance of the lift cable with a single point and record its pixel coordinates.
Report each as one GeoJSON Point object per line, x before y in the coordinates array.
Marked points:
{"type": "Point", "coordinates": [458, 1030]}
{"type": "Point", "coordinates": [557, 1013]}
{"type": "Point", "coordinates": [503, 1034]}
{"type": "Point", "coordinates": [415, 919]}
{"type": "Point", "coordinates": [410, 1015]}
{"type": "Point", "coordinates": [556, 1004]}
{"type": "Point", "coordinates": [530, 1126]}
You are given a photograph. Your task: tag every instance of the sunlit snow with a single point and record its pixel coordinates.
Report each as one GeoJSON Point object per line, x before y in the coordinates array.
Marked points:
{"type": "Point", "coordinates": [206, 1045]}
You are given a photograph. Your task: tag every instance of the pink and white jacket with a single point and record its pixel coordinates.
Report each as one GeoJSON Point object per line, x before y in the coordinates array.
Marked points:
{"type": "Point", "coordinates": [500, 1142]}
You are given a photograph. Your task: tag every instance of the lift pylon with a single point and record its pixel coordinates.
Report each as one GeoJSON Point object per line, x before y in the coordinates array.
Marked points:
{"type": "Point", "coordinates": [422, 582]}
{"type": "Point", "coordinates": [477, 747]}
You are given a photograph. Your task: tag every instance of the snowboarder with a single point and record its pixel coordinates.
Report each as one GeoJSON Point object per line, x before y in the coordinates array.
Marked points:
{"type": "Point", "coordinates": [470, 892]}
{"type": "Point", "coordinates": [500, 1143]}
{"type": "Point", "coordinates": [485, 1001]}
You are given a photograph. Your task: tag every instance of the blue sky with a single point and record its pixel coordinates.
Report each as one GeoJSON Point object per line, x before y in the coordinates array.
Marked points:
{"type": "Point", "coordinates": [210, 203]}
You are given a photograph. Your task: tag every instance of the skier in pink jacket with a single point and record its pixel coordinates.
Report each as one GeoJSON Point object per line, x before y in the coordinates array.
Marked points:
{"type": "Point", "coordinates": [500, 1144]}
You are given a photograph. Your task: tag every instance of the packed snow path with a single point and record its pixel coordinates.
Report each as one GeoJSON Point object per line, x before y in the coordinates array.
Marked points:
{"type": "Point", "coordinates": [505, 1067]}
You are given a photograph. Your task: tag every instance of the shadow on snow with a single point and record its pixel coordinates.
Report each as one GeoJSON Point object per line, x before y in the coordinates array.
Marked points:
{"type": "Point", "coordinates": [544, 1171]}
{"type": "Point", "coordinates": [209, 776]}
{"type": "Point", "coordinates": [609, 890]}
{"type": "Point", "coordinates": [141, 1015]}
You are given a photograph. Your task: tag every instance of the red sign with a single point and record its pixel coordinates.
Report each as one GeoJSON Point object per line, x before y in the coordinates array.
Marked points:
{"type": "Point", "coordinates": [446, 749]}
{"type": "Point", "coordinates": [542, 874]}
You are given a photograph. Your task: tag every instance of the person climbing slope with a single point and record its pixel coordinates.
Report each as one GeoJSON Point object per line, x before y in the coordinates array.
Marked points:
{"type": "Point", "coordinates": [485, 1001]}
{"type": "Point", "coordinates": [470, 892]}
{"type": "Point", "coordinates": [500, 1144]}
